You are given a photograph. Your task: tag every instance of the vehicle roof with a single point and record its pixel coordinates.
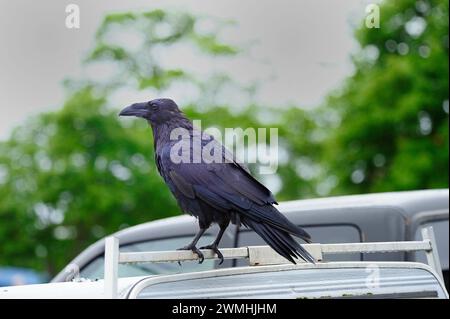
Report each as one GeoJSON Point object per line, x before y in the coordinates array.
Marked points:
{"type": "Point", "coordinates": [129, 287]}
{"type": "Point", "coordinates": [409, 202]}
{"type": "Point", "coordinates": [406, 202]}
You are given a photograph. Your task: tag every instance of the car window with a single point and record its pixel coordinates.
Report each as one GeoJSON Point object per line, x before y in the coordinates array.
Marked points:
{"type": "Point", "coordinates": [324, 234]}
{"type": "Point", "coordinates": [95, 269]}
{"type": "Point", "coordinates": [441, 234]}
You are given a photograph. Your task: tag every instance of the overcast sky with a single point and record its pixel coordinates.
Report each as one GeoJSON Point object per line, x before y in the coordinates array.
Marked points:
{"type": "Point", "coordinates": [300, 49]}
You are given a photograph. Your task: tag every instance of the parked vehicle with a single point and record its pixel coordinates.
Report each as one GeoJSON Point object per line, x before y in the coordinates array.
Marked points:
{"type": "Point", "coordinates": [396, 216]}
{"type": "Point", "coordinates": [267, 275]}
{"type": "Point", "coordinates": [14, 276]}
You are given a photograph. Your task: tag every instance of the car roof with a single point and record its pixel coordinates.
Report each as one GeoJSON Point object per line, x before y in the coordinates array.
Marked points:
{"type": "Point", "coordinates": [409, 202]}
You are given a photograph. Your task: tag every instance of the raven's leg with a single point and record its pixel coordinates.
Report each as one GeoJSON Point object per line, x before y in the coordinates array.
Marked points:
{"type": "Point", "coordinates": [215, 244]}
{"type": "Point", "coordinates": [192, 247]}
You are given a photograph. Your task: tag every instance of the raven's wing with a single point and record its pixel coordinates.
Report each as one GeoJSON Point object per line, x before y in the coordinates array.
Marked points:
{"type": "Point", "coordinates": [230, 158]}
{"type": "Point", "coordinates": [227, 186]}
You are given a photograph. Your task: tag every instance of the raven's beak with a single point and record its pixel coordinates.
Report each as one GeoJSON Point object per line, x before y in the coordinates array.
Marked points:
{"type": "Point", "coordinates": [136, 109]}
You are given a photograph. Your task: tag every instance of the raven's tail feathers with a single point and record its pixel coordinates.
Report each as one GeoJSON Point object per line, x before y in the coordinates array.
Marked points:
{"type": "Point", "coordinates": [279, 240]}
{"type": "Point", "coordinates": [270, 215]}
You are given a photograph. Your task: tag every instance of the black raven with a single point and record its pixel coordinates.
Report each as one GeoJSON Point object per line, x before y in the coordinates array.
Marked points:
{"type": "Point", "coordinates": [214, 191]}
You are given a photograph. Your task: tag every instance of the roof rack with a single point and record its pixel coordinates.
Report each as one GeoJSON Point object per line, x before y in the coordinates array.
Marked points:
{"type": "Point", "coordinates": [261, 255]}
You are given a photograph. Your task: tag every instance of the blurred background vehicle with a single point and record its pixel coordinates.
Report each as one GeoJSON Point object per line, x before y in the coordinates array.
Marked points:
{"type": "Point", "coordinates": [349, 219]}
{"type": "Point", "coordinates": [14, 276]}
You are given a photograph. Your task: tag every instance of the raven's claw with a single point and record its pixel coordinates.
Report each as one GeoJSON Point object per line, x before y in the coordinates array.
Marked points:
{"type": "Point", "coordinates": [215, 249]}
{"type": "Point", "coordinates": [195, 250]}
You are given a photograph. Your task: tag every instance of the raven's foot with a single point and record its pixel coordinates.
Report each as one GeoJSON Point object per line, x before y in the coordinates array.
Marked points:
{"type": "Point", "coordinates": [215, 249]}
{"type": "Point", "coordinates": [195, 250]}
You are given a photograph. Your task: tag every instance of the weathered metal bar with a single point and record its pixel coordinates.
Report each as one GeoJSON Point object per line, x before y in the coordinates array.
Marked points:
{"type": "Point", "coordinates": [263, 252]}
{"type": "Point", "coordinates": [180, 255]}
{"type": "Point", "coordinates": [375, 247]}
{"type": "Point", "coordinates": [264, 255]}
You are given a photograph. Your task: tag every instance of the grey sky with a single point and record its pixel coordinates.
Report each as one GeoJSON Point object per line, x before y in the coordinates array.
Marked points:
{"type": "Point", "coordinates": [300, 49]}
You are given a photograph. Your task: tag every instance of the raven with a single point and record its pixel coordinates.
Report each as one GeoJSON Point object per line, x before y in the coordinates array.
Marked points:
{"type": "Point", "coordinates": [214, 191]}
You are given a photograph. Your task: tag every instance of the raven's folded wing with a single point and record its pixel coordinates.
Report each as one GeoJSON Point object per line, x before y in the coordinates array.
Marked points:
{"type": "Point", "coordinates": [228, 186]}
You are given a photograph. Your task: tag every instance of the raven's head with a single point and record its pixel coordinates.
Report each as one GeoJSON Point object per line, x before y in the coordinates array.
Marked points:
{"type": "Point", "coordinates": [156, 111]}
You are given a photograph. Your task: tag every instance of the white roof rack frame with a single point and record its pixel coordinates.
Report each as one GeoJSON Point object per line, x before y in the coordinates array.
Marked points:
{"type": "Point", "coordinates": [261, 255]}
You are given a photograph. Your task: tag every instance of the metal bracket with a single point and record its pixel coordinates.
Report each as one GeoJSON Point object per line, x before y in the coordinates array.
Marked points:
{"type": "Point", "coordinates": [432, 253]}
{"type": "Point", "coordinates": [264, 255]}
{"type": "Point", "coordinates": [112, 255]}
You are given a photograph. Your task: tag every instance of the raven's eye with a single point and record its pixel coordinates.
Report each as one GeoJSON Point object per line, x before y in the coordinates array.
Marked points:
{"type": "Point", "coordinates": [153, 106]}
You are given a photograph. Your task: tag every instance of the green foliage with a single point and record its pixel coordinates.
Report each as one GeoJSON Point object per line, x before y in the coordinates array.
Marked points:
{"type": "Point", "coordinates": [393, 127]}
{"type": "Point", "coordinates": [74, 176]}
{"type": "Point", "coordinates": [208, 43]}
{"type": "Point", "coordinates": [152, 32]}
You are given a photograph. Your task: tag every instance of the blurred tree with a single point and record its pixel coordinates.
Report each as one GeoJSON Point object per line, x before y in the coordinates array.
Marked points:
{"type": "Point", "coordinates": [74, 176]}
{"type": "Point", "coordinates": [391, 132]}
{"type": "Point", "coordinates": [68, 178]}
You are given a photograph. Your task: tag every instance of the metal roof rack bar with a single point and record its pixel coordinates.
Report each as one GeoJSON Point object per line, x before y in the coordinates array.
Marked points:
{"type": "Point", "coordinates": [261, 255]}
